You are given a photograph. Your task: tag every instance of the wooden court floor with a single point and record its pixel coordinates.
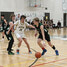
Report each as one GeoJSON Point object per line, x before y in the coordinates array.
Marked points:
{"type": "Point", "coordinates": [24, 59]}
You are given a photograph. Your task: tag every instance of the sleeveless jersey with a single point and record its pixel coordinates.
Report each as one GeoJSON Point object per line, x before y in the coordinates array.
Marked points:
{"type": "Point", "coordinates": [8, 26]}
{"type": "Point", "coordinates": [39, 30]}
{"type": "Point", "coordinates": [20, 27]}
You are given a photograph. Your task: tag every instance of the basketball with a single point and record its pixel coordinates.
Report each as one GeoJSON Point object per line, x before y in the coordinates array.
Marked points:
{"type": "Point", "coordinates": [37, 54]}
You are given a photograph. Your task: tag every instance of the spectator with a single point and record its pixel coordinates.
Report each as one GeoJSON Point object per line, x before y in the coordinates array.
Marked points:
{"type": "Point", "coordinates": [52, 21]}
{"type": "Point", "coordinates": [59, 24]}
{"type": "Point", "coordinates": [46, 23]}
{"type": "Point", "coordinates": [18, 17]}
{"type": "Point", "coordinates": [41, 21]}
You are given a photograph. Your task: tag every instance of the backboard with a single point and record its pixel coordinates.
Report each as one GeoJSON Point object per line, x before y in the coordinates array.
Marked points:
{"type": "Point", "coordinates": [34, 3]}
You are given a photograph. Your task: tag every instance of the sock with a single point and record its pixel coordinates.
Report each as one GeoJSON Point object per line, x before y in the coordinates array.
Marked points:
{"type": "Point", "coordinates": [43, 48]}
{"type": "Point", "coordinates": [2, 36]}
{"type": "Point", "coordinates": [18, 49]}
{"type": "Point", "coordinates": [53, 47]}
{"type": "Point", "coordinates": [29, 50]}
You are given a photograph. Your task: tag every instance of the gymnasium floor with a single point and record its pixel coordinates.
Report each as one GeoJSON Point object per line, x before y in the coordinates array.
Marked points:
{"type": "Point", "coordinates": [59, 39]}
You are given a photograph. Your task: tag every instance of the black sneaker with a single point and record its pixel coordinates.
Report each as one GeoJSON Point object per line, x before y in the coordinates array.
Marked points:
{"type": "Point", "coordinates": [11, 50]}
{"type": "Point", "coordinates": [10, 53]}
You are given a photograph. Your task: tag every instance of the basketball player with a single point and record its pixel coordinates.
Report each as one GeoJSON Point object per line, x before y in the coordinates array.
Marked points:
{"type": "Point", "coordinates": [4, 24]}
{"type": "Point", "coordinates": [43, 35]}
{"type": "Point", "coordinates": [20, 26]}
{"type": "Point", "coordinates": [8, 33]}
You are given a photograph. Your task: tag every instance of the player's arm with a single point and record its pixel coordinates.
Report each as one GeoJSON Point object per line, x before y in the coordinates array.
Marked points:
{"type": "Point", "coordinates": [36, 32]}
{"type": "Point", "coordinates": [16, 23]}
{"type": "Point", "coordinates": [5, 21]}
{"type": "Point", "coordinates": [42, 31]}
{"type": "Point", "coordinates": [31, 26]}
{"type": "Point", "coordinates": [11, 26]}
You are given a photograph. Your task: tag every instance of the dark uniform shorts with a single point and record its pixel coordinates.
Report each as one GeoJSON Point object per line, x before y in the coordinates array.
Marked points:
{"type": "Point", "coordinates": [3, 29]}
{"type": "Point", "coordinates": [47, 37]}
{"type": "Point", "coordinates": [9, 36]}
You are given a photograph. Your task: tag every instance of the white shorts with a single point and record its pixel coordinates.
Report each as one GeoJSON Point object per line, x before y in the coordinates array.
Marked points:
{"type": "Point", "coordinates": [20, 35]}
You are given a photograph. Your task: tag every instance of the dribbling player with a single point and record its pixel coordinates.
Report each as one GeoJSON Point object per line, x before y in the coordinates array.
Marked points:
{"type": "Point", "coordinates": [43, 35]}
{"type": "Point", "coordinates": [20, 26]}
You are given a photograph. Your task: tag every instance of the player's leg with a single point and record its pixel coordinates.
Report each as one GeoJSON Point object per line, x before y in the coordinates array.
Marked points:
{"type": "Point", "coordinates": [19, 38]}
{"type": "Point", "coordinates": [3, 34]}
{"type": "Point", "coordinates": [20, 41]}
{"type": "Point", "coordinates": [53, 47]}
{"type": "Point", "coordinates": [10, 44]}
{"type": "Point", "coordinates": [41, 46]}
{"type": "Point", "coordinates": [19, 44]}
{"type": "Point", "coordinates": [50, 44]}
{"type": "Point", "coordinates": [25, 40]}
{"type": "Point", "coordinates": [47, 37]}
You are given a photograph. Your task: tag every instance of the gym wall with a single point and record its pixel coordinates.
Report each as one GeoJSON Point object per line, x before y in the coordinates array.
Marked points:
{"type": "Point", "coordinates": [54, 7]}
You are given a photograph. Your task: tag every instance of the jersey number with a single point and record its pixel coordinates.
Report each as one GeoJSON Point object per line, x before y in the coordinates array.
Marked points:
{"type": "Point", "coordinates": [20, 30]}
{"type": "Point", "coordinates": [45, 30]}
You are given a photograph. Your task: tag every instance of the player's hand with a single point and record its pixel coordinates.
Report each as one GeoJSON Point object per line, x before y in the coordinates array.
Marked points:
{"type": "Point", "coordinates": [12, 30]}
{"type": "Point", "coordinates": [33, 27]}
{"type": "Point", "coordinates": [35, 34]}
{"type": "Point", "coordinates": [7, 32]}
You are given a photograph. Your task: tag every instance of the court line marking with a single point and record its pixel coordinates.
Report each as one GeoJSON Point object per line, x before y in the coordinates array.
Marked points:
{"type": "Point", "coordinates": [59, 64]}
{"type": "Point", "coordinates": [20, 62]}
{"type": "Point", "coordinates": [33, 50]}
{"type": "Point", "coordinates": [17, 63]}
{"type": "Point", "coordinates": [1, 66]}
{"type": "Point", "coordinates": [34, 62]}
{"type": "Point", "coordinates": [49, 62]}
{"type": "Point", "coordinates": [49, 57]}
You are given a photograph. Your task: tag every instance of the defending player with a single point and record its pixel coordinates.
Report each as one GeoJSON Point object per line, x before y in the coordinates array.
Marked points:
{"type": "Point", "coordinates": [43, 35]}
{"type": "Point", "coordinates": [20, 26]}
{"type": "Point", "coordinates": [8, 33]}
{"type": "Point", "coordinates": [4, 24]}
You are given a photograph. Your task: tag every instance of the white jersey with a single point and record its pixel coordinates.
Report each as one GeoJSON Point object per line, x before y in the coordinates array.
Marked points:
{"type": "Point", "coordinates": [20, 27]}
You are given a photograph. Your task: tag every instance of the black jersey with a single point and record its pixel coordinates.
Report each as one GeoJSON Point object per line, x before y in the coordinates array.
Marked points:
{"type": "Point", "coordinates": [8, 26]}
{"type": "Point", "coordinates": [47, 36]}
{"type": "Point", "coordinates": [39, 30]}
{"type": "Point", "coordinates": [3, 24]}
